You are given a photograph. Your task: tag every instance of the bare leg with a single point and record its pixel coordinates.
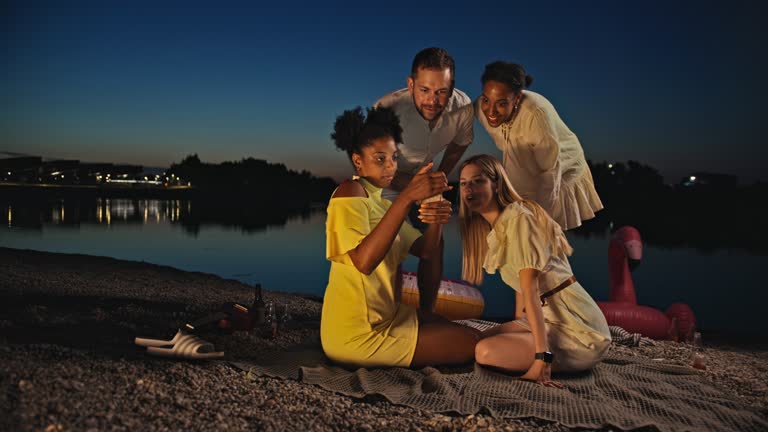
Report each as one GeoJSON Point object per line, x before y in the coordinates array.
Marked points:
{"type": "Point", "coordinates": [511, 351]}
{"type": "Point", "coordinates": [507, 327]}
{"type": "Point", "coordinates": [443, 342]}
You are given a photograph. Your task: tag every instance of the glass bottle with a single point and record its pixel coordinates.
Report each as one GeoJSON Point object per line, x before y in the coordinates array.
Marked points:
{"type": "Point", "coordinates": [285, 318]}
{"type": "Point", "coordinates": [259, 307]}
{"type": "Point", "coordinates": [673, 332]}
{"type": "Point", "coordinates": [271, 319]}
{"type": "Point", "coordinates": [698, 360]}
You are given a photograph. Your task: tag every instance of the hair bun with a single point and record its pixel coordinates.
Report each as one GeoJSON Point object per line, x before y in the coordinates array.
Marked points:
{"type": "Point", "coordinates": [353, 130]}
{"type": "Point", "coordinates": [528, 81]}
{"type": "Point", "coordinates": [386, 118]}
{"type": "Point", "coordinates": [347, 128]}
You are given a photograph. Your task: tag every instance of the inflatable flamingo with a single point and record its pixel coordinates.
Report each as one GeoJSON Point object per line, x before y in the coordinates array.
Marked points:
{"type": "Point", "coordinates": [625, 251]}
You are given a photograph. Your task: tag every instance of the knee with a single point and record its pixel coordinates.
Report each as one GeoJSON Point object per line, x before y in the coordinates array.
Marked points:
{"type": "Point", "coordinates": [483, 352]}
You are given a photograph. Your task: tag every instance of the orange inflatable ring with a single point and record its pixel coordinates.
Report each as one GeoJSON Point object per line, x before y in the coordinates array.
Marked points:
{"type": "Point", "coordinates": [455, 299]}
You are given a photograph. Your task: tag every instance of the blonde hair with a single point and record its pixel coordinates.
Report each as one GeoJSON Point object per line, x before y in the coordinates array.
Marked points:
{"type": "Point", "coordinates": [475, 229]}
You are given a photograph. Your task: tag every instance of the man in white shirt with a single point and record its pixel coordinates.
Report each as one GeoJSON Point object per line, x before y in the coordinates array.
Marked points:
{"type": "Point", "coordinates": [435, 117]}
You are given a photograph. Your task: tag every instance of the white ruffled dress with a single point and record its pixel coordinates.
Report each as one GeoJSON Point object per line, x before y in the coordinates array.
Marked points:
{"type": "Point", "coordinates": [545, 162]}
{"type": "Point", "coordinates": [577, 331]}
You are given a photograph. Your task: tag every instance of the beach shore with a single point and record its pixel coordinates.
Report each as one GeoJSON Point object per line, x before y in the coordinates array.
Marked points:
{"type": "Point", "coordinates": [68, 361]}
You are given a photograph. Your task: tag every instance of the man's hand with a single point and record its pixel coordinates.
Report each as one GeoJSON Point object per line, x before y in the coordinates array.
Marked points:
{"type": "Point", "coordinates": [425, 184]}
{"type": "Point", "coordinates": [438, 212]}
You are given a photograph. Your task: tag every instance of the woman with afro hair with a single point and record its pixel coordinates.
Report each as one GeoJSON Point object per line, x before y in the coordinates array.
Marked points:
{"type": "Point", "coordinates": [363, 320]}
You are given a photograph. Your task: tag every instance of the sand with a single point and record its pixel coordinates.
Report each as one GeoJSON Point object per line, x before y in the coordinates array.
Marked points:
{"type": "Point", "coordinates": [68, 362]}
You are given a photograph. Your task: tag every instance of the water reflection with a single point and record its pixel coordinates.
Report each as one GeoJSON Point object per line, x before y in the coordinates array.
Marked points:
{"type": "Point", "coordinates": [246, 216]}
{"type": "Point", "coordinates": [35, 215]}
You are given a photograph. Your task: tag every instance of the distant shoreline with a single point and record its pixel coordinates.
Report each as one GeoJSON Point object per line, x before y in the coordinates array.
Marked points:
{"type": "Point", "coordinates": [28, 190]}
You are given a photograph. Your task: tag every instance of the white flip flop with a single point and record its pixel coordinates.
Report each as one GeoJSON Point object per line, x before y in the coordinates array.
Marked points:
{"type": "Point", "coordinates": [147, 342]}
{"type": "Point", "coordinates": [186, 346]}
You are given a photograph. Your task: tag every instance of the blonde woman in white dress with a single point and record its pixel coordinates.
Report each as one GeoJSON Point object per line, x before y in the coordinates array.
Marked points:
{"type": "Point", "coordinates": [543, 158]}
{"type": "Point", "coordinates": [557, 326]}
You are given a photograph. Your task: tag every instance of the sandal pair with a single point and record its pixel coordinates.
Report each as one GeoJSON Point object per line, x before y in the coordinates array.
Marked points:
{"type": "Point", "coordinates": [183, 345]}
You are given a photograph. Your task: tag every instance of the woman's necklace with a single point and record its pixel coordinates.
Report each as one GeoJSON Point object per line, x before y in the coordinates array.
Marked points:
{"type": "Point", "coordinates": [507, 125]}
{"type": "Point", "coordinates": [516, 108]}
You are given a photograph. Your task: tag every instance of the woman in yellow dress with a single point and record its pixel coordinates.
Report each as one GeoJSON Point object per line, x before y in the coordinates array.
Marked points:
{"type": "Point", "coordinates": [367, 238]}
{"type": "Point", "coordinates": [557, 324]}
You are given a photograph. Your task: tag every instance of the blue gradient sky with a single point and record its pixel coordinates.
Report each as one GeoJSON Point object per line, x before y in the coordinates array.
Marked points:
{"type": "Point", "coordinates": [674, 87]}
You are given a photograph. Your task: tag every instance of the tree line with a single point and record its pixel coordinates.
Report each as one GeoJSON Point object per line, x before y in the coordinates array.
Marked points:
{"type": "Point", "coordinates": [253, 179]}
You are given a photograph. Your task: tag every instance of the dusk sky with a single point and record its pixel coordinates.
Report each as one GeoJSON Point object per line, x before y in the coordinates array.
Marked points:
{"type": "Point", "coordinates": [674, 87]}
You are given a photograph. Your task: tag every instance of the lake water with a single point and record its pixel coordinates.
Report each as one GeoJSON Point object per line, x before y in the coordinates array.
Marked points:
{"type": "Point", "coordinates": [286, 253]}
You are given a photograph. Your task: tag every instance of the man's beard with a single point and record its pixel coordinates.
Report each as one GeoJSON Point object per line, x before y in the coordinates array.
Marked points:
{"type": "Point", "coordinates": [421, 112]}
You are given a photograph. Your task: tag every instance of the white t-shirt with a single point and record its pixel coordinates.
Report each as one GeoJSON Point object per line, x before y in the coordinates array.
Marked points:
{"type": "Point", "coordinates": [420, 143]}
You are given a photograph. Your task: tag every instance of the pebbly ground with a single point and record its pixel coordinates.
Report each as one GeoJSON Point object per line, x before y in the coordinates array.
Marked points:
{"type": "Point", "coordinates": [68, 362]}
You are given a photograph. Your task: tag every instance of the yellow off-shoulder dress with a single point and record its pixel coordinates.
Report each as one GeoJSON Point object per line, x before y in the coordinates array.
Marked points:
{"type": "Point", "coordinates": [363, 322]}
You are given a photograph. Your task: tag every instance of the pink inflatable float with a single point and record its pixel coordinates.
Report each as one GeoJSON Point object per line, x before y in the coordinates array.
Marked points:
{"type": "Point", "coordinates": [624, 254]}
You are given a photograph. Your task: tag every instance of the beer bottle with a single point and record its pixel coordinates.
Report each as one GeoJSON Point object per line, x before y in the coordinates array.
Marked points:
{"type": "Point", "coordinates": [259, 307]}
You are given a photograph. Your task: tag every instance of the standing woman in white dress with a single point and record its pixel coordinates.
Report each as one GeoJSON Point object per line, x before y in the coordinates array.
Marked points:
{"type": "Point", "coordinates": [542, 157]}
{"type": "Point", "coordinates": [557, 325]}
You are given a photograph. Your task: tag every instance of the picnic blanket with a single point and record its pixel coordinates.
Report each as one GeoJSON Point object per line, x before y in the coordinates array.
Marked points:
{"type": "Point", "coordinates": [623, 392]}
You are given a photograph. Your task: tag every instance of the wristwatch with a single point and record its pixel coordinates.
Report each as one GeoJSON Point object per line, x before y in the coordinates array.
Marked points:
{"type": "Point", "coordinates": [546, 356]}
